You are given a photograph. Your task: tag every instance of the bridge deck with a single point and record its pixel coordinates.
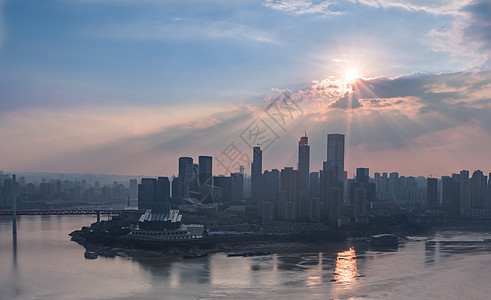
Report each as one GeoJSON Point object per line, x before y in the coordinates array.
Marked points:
{"type": "Point", "coordinates": [70, 212]}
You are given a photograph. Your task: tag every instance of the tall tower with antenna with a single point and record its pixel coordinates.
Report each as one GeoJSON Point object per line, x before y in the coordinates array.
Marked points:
{"type": "Point", "coordinates": [304, 162]}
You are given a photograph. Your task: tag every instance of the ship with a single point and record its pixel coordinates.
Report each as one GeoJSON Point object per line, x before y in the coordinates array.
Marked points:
{"type": "Point", "coordinates": [384, 240]}
{"type": "Point", "coordinates": [90, 255]}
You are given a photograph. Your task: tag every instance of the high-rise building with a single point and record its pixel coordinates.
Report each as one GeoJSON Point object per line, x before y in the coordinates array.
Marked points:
{"type": "Point", "coordinates": [455, 203]}
{"type": "Point", "coordinates": [237, 187]}
{"type": "Point", "coordinates": [257, 186]}
{"type": "Point", "coordinates": [147, 193]}
{"type": "Point", "coordinates": [6, 192]}
{"type": "Point", "coordinates": [332, 196]}
{"type": "Point", "coordinates": [289, 193]}
{"type": "Point", "coordinates": [205, 170]}
{"type": "Point", "coordinates": [133, 191]}
{"type": "Point", "coordinates": [394, 187]}
{"type": "Point", "coordinates": [163, 195]}
{"type": "Point", "coordinates": [360, 199]}
{"type": "Point", "coordinates": [185, 175]}
{"type": "Point", "coordinates": [226, 186]}
{"type": "Point", "coordinates": [478, 192]}
{"type": "Point", "coordinates": [465, 193]}
{"type": "Point", "coordinates": [432, 193]}
{"type": "Point", "coordinates": [272, 181]}
{"type": "Point", "coordinates": [335, 154]}
{"type": "Point", "coordinates": [447, 192]}
{"type": "Point", "coordinates": [362, 181]}
{"type": "Point", "coordinates": [362, 176]}
{"type": "Point", "coordinates": [304, 162]}
{"type": "Point", "coordinates": [175, 187]}
{"type": "Point", "coordinates": [314, 185]}
{"type": "Point", "coordinates": [488, 194]}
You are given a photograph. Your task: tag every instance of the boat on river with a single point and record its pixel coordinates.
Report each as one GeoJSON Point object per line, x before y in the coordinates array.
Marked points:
{"type": "Point", "coordinates": [384, 240]}
{"type": "Point", "coordinates": [91, 255]}
{"type": "Point", "coordinates": [248, 254]}
{"type": "Point", "coordinates": [195, 255]}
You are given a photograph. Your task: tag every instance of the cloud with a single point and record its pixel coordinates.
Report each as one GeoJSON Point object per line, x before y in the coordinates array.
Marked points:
{"type": "Point", "coordinates": [425, 122]}
{"type": "Point", "coordinates": [348, 101]}
{"type": "Point", "coordinates": [419, 124]}
{"type": "Point", "coordinates": [302, 7]}
{"type": "Point", "coordinates": [108, 139]}
{"type": "Point", "coordinates": [434, 7]}
{"type": "Point", "coordinates": [102, 146]}
{"type": "Point", "coordinates": [478, 29]}
{"type": "Point", "coordinates": [181, 29]}
{"type": "Point", "coordinates": [391, 114]}
{"type": "Point", "coordinates": [469, 35]}
{"type": "Point", "coordinates": [437, 7]}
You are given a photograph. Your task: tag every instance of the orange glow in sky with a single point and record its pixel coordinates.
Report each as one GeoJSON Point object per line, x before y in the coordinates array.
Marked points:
{"type": "Point", "coordinates": [351, 75]}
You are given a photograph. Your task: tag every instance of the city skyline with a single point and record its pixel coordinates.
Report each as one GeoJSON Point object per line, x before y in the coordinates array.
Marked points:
{"type": "Point", "coordinates": [141, 84]}
{"type": "Point", "coordinates": [248, 149]}
{"type": "Point", "coordinates": [211, 163]}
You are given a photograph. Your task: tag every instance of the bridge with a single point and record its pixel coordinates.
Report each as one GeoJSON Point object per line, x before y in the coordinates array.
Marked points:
{"type": "Point", "coordinates": [70, 212]}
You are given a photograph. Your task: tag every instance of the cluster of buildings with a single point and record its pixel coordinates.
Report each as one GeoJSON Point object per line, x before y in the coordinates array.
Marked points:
{"type": "Point", "coordinates": [49, 192]}
{"type": "Point", "coordinates": [328, 195]}
{"type": "Point", "coordinates": [289, 194]}
{"type": "Point", "coordinates": [460, 194]}
{"type": "Point", "coordinates": [195, 186]}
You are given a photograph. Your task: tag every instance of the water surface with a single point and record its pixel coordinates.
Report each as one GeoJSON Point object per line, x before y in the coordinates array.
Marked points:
{"type": "Point", "coordinates": [42, 263]}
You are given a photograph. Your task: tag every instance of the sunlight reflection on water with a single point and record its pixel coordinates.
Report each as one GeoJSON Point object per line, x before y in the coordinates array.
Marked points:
{"type": "Point", "coordinates": [346, 270]}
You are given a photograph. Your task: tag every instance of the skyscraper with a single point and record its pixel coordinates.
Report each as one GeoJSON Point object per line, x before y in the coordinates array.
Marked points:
{"type": "Point", "coordinates": [205, 169]}
{"type": "Point", "coordinates": [175, 187]}
{"type": "Point", "coordinates": [257, 161]}
{"type": "Point", "coordinates": [154, 194]}
{"type": "Point", "coordinates": [133, 192]}
{"type": "Point", "coordinates": [237, 187]}
{"type": "Point", "coordinates": [289, 193]}
{"type": "Point", "coordinates": [333, 178]}
{"type": "Point", "coordinates": [478, 192]}
{"type": "Point", "coordinates": [335, 153]}
{"type": "Point", "coordinates": [314, 184]}
{"type": "Point", "coordinates": [362, 181]}
{"type": "Point", "coordinates": [272, 183]}
{"type": "Point", "coordinates": [451, 194]}
{"type": "Point", "coordinates": [226, 186]}
{"type": "Point", "coordinates": [163, 194]}
{"type": "Point", "coordinates": [465, 193]}
{"type": "Point", "coordinates": [256, 173]}
{"type": "Point", "coordinates": [360, 199]}
{"type": "Point", "coordinates": [362, 176]}
{"type": "Point", "coordinates": [432, 194]}
{"type": "Point", "coordinates": [304, 162]}
{"type": "Point", "coordinates": [332, 195]}
{"type": "Point", "coordinates": [185, 175]}
{"type": "Point", "coordinates": [147, 193]}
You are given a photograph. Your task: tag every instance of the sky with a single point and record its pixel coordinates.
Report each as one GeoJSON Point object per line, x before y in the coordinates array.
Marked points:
{"type": "Point", "coordinates": [127, 87]}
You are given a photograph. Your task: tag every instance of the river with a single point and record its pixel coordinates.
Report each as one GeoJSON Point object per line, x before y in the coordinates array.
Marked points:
{"type": "Point", "coordinates": [42, 263]}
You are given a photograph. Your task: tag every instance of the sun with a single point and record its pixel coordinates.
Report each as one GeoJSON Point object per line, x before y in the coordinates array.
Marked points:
{"type": "Point", "coordinates": [351, 75]}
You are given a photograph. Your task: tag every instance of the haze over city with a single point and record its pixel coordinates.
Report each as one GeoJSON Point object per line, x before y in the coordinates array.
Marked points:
{"type": "Point", "coordinates": [126, 88]}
